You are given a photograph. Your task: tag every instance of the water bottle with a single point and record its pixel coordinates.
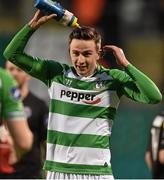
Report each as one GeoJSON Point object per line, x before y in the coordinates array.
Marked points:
{"type": "Point", "coordinates": [65, 17]}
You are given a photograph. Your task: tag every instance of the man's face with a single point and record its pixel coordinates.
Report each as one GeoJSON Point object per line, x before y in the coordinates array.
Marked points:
{"type": "Point", "coordinates": [84, 56]}
{"type": "Point", "coordinates": [20, 76]}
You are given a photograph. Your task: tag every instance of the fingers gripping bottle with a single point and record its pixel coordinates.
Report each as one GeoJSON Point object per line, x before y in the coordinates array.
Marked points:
{"type": "Point", "coordinates": [65, 17]}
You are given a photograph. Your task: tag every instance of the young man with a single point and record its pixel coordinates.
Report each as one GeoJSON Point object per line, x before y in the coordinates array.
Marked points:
{"type": "Point", "coordinates": [12, 114]}
{"type": "Point", "coordinates": [37, 113]}
{"type": "Point", "coordinates": [84, 99]}
{"type": "Point", "coordinates": [155, 151]}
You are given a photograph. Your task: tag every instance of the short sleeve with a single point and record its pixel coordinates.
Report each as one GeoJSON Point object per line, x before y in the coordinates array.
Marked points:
{"type": "Point", "coordinates": [12, 107]}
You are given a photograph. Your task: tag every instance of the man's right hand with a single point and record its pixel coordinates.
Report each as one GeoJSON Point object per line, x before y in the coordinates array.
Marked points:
{"type": "Point", "coordinates": [40, 19]}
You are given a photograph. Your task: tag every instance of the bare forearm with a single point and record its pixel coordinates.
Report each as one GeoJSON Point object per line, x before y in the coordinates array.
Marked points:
{"type": "Point", "coordinates": [161, 156]}
{"type": "Point", "coordinates": [148, 160]}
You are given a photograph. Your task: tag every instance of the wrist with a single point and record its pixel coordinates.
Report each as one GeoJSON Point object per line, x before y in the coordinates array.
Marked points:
{"type": "Point", "coordinates": [33, 25]}
{"type": "Point", "coordinates": [126, 64]}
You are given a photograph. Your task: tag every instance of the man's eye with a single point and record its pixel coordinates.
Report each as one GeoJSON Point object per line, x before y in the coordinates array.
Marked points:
{"type": "Point", "coordinates": [87, 54]}
{"type": "Point", "coordinates": [75, 54]}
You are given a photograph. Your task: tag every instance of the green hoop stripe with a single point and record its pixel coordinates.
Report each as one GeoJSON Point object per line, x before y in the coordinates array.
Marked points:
{"type": "Point", "coordinates": [88, 111]}
{"type": "Point", "coordinates": [78, 140]}
{"type": "Point", "coordinates": [77, 168]}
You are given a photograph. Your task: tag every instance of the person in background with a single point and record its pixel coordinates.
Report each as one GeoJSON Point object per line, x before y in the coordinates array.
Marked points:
{"type": "Point", "coordinates": [84, 98]}
{"type": "Point", "coordinates": [155, 151]}
{"type": "Point", "coordinates": [14, 130]}
{"type": "Point", "coordinates": [30, 165]}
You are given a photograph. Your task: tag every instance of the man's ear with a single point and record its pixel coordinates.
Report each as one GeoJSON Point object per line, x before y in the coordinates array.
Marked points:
{"type": "Point", "coordinates": [100, 54]}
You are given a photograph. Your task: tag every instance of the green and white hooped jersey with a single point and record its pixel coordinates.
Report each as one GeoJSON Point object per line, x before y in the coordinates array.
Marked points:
{"type": "Point", "coordinates": [80, 123]}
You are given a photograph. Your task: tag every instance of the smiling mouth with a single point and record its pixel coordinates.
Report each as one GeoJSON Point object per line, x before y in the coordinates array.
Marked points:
{"type": "Point", "coordinates": [81, 67]}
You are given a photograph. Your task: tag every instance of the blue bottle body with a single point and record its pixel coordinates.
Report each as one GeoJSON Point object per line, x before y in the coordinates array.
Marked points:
{"type": "Point", "coordinates": [63, 16]}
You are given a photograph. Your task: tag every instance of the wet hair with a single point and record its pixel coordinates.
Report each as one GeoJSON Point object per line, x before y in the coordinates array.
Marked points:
{"type": "Point", "coordinates": [86, 33]}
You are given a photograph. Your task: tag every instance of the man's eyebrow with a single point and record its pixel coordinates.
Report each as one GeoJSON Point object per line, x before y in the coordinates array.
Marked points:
{"type": "Point", "coordinates": [85, 51]}
{"type": "Point", "coordinates": [77, 50]}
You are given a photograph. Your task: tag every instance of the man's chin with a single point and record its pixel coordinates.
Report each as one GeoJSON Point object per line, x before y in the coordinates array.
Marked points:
{"type": "Point", "coordinates": [82, 73]}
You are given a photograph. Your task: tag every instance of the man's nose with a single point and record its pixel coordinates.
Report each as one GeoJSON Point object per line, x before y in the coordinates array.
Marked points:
{"type": "Point", "coordinates": [81, 59]}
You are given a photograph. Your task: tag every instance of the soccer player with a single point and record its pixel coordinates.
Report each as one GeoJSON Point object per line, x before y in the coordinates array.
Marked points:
{"type": "Point", "coordinates": [84, 100]}
{"type": "Point", "coordinates": [12, 113]}
{"type": "Point", "coordinates": [37, 113]}
{"type": "Point", "coordinates": [155, 151]}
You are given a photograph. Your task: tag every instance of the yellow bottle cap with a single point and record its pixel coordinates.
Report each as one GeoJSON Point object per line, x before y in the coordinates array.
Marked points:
{"type": "Point", "coordinates": [75, 24]}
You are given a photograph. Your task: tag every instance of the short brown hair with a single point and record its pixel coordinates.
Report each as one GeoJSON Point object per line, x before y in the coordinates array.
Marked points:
{"type": "Point", "coordinates": [86, 33]}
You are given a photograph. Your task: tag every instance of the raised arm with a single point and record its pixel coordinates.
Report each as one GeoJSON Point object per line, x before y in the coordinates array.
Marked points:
{"type": "Point", "coordinates": [137, 85]}
{"type": "Point", "coordinates": [15, 50]}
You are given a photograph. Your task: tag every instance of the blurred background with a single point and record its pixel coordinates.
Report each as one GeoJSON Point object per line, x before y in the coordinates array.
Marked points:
{"type": "Point", "coordinates": [134, 25]}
